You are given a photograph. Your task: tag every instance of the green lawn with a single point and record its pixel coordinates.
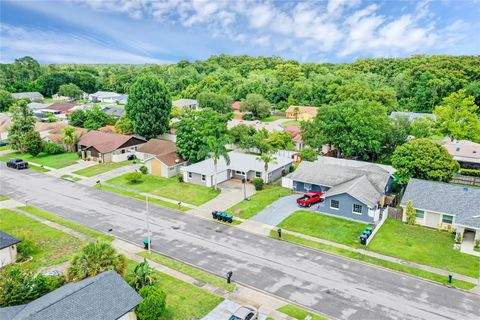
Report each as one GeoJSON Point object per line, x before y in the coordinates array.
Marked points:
{"type": "Point", "coordinates": [423, 245]}
{"type": "Point", "coordinates": [142, 198]}
{"type": "Point", "coordinates": [52, 246]}
{"type": "Point", "coordinates": [375, 261]}
{"type": "Point", "coordinates": [272, 118]}
{"type": "Point", "coordinates": [3, 198]}
{"type": "Point", "coordinates": [189, 270]}
{"type": "Point", "coordinates": [291, 123]}
{"type": "Point", "coordinates": [184, 300]}
{"type": "Point", "coordinates": [55, 161]}
{"type": "Point", "coordinates": [101, 168]}
{"type": "Point", "coordinates": [67, 223]}
{"type": "Point", "coordinates": [169, 188]}
{"type": "Point", "coordinates": [7, 147]}
{"type": "Point", "coordinates": [325, 227]}
{"type": "Point", "coordinates": [37, 168]}
{"type": "Point", "coordinates": [299, 313]}
{"type": "Point", "coordinates": [259, 201]}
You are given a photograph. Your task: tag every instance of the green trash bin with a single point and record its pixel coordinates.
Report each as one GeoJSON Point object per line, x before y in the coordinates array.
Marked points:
{"type": "Point", "coordinates": [145, 244]}
{"type": "Point", "coordinates": [229, 218]}
{"type": "Point", "coordinates": [369, 228]}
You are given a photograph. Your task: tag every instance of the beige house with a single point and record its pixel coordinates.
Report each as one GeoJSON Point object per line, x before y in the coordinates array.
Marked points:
{"type": "Point", "coordinates": [301, 113]}
{"type": "Point", "coordinates": [467, 153]}
{"type": "Point", "coordinates": [160, 158]}
{"type": "Point", "coordinates": [8, 249]}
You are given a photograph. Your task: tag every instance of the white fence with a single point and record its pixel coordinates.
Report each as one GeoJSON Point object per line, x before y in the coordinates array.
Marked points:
{"type": "Point", "coordinates": [377, 227]}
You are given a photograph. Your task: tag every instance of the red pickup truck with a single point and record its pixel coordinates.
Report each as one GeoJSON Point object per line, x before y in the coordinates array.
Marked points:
{"type": "Point", "coordinates": [310, 198]}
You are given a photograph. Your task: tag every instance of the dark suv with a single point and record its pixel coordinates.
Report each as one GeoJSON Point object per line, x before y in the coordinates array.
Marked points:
{"type": "Point", "coordinates": [17, 164]}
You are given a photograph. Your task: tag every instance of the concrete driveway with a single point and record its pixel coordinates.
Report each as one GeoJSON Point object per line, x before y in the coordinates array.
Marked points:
{"type": "Point", "coordinates": [279, 210]}
{"type": "Point", "coordinates": [224, 310]}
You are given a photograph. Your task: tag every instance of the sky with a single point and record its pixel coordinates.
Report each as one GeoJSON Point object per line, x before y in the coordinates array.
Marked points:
{"type": "Point", "coordinates": [167, 31]}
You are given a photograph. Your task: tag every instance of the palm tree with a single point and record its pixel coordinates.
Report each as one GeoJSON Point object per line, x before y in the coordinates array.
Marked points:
{"type": "Point", "coordinates": [69, 137]}
{"type": "Point", "coordinates": [267, 158]}
{"type": "Point", "coordinates": [94, 258]}
{"type": "Point", "coordinates": [215, 149]}
{"type": "Point", "coordinates": [296, 111]}
{"type": "Point", "coordinates": [142, 275]}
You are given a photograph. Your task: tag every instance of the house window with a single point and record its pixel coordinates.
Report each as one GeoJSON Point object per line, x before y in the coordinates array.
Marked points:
{"type": "Point", "coordinates": [447, 218]}
{"type": "Point", "coordinates": [334, 204]}
{"type": "Point", "coordinates": [189, 175]}
{"type": "Point", "coordinates": [258, 174]}
{"type": "Point", "coordinates": [123, 151]}
{"type": "Point", "coordinates": [419, 214]}
{"type": "Point", "coordinates": [240, 173]}
{"type": "Point", "coordinates": [357, 209]}
{"type": "Point", "coordinates": [204, 177]}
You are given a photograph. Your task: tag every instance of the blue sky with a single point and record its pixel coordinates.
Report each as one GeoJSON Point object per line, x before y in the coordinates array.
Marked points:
{"type": "Point", "coordinates": [166, 31]}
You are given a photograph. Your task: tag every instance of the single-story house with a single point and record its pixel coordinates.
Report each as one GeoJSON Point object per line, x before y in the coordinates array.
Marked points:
{"type": "Point", "coordinates": [161, 158]}
{"type": "Point", "coordinates": [68, 99]}
{"type": "Point", "coordinates": [114, 111]}
{"type": "Point", "coordinates": [63, 107]}
{"type": "Point", "coordinates": [56, 134]}
{"type": "Point", "coordinates": [236, 110]}
{"type": "Point", "coordinates": [412, 115]}
{"type": "Point", "coordinates": [103, 297]}
{"type": "Point", "coordinates": [108, 147]}
{"type": "Point", "coordinates": [257, 125]}
{"type": "Point", "coordinates": [105, 96]}
{"type": "Point", "coordinates": [301, 113]}
{"type": "Point", "coordinates": [8, 249]}
{"type": "Point", "coordinates": [188, 104]}
{"type": "Point", "coordinates": [38, 105]}
{"type": "Point", "coordinates": [296, 134]}
{"type": "Point", "coordinates": [354, 190]}
{"type": "Point", "coordinates": [467, 153]}
{"type": "Point", "coordinates": [241, 166]}
{"type": "Point", "coordinates": [440, 205]}
{"type": "Point", "coordinates": [46, 128]}
{"type": "Point", "coordinates": [32, 96]}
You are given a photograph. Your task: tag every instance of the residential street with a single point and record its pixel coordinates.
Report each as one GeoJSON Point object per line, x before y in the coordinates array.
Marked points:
{"type": "Point", "coordinates": [333, 285]}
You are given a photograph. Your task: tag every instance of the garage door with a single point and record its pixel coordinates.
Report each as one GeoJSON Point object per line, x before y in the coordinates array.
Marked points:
{"type": "Point", "coordinates": [222, 176]}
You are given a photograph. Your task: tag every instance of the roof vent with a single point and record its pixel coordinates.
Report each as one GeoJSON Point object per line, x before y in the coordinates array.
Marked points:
{"type": "Point", "coordinates": [465, 189]}
{"type": "Point", "coordinates": [458, 149]}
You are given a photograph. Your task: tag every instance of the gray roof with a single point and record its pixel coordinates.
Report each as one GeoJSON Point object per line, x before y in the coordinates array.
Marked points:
{"type": "Point", "coordinates": [7, 240]}
{"type": "Point", "coordinates": [103, 297]}
{"type": "Point", "coordinates": [238, 161]}
{"type": "Point", "coordinates": [365, 182]}
{"type": "Point", "coordinates": [38, 105]}
{"type": "Point", "coordinates": [106, 94]}
{"type": "Point", "coordinates": [27, 95]}
{"type": "Point", "coordinates": [462, 202]}
{"type": "Point", "coordinates": [116, 112]}
{"type": "Point", "coordinates": [181, 103]}
{"type": "Point", "coordinates": [412, 115]}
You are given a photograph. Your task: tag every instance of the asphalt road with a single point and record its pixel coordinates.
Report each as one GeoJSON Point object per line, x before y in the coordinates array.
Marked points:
{"type": "Point", "coordinates": [333, 285]}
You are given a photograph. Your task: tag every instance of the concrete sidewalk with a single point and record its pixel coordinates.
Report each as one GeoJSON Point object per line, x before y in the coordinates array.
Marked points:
{"type": "Point", "coordinates": [81, 164]}
{"type": "Point", "coordinates": [91, 181]}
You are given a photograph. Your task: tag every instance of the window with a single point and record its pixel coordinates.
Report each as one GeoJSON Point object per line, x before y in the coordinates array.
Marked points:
{"type": "Point", "coordinates": [447, 218]}
{"type": "Point", "coordinates": [240, 173]}
{"type": "Point", "coordinates": [419, 214]}
{"type": "Point", "coordinates": [334, 204]}
{"type": "Point", "coordinates": [189, 175]}
{"type": "Point", "coordinates": [123, 151]}
{"type": "Point", "coordinates": [204, 177]}
{"type": "Point", "coordinates": [258, 174]}
{"type": "Point", "coordinates": [357, 208]}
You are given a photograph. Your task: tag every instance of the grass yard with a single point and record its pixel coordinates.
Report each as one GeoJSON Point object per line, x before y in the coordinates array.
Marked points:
{"type": "Point", "coordinates": [37, 168]}
{"type": "Point", "coordinates": [7, 147]}
{"type": "Point", "coordinates": [67, 223]}
{"type": "Point", "coordinates": [423, 245]}
{"type": "Point", "coordinates": [52, 246]}
{"type": "Point", "coordinates": [189, 270]}
{"type": "Point", "coordinates": [169, 188]}
{"type": "Point", "coordinates": [101, 168]}
{"type": "Point", "coordinates": [142, 198]}
{"type": "Point", "coordinates": [55, 161]}
{"type": "Point", "coordinates": [3, 198]}
{"type": "Point", "coordinates": [184, 300]}
{"type": "Point", "coordinates": [259, 201]}
{"type": "Point", "coordinates": [291, 123]}
{"type": "Point", "coordinates": [375, 261]}
{"type": "Point", "coordinates": [299, 313]}
{"type": "Point", "coordinates": [272, 118]}
{"type": "Point", "coordinates": [325, 227]}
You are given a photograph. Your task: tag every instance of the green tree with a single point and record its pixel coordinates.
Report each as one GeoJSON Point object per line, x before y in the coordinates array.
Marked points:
{"type": "Point", "coordinates": [96, 118]}
{"type": "Point", "coordinates": [23, 122]}
{"type": "Point", "coordinates": [176, 112]}
{"type": "Point", "coordinates": [32, 142]}
{"type": "Point", "coordinates": [149, 106]}
{"type": "Point", "coordinates": [142, 275]}
{"type": "Point", "coordinates": [280, 140]}
{"type": "Point", "coordinates": [214, 148]}
{"type": "Point", "coordinates": [6, 100]}
{"type": "Point", "coordinates": [242, 136]}
{"type": "Point", "coordinates": [257, 105]}
{"type": "Point", "coordinates": [267, 158]}
{"type": "Point", "coordinates": [153, 304]}
{"type": "Point", "coordinates": [424, 159]}
{"type": "Point", "coordinates": [410, 213]}
{"type": "Point", "coordinates": [308, 154]}
{"type": "Point", "coordinates": [458, 118]}
{"type": "Point", "coordinates": [94, 258]}
{"type": "Point", "coordinates": [70, 90]}
{"type": "Point", "coordinates": [218, 102]}
{"type": "Point", "coordinates": [396, 133]}
{"type": "Point", "coordinates": [77, 118]}
{"type": "Point", "coordinates": [134, 177]}
{"type": "Point", "coordinates": [124, 125]}
{"type": "Point", "coordinates": [422, 127]}
{"type": "Point", "coordinates": [69, 137]}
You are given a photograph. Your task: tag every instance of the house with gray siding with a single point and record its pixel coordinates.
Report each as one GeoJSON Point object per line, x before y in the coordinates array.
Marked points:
{"type": "Point", "coordinates": [354, 190]}
{"type": "Point", "coordinates": [241, 166]}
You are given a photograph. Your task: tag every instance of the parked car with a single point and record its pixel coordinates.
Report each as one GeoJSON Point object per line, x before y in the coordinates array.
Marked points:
{"type": "Point", "coordinates": [17, 163]}
{"type": "Point", "coordinates": [244, 313]}
{"type": "Point", "coordinates": [3, 143]}
{"type": "Point", "coordinates": [310, 198]}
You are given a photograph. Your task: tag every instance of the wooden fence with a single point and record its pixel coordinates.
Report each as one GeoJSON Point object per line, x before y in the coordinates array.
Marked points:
{"type": "Point", "coordinates": [467, 180]}
{"type": "Point", "coordinates": [395, 213]}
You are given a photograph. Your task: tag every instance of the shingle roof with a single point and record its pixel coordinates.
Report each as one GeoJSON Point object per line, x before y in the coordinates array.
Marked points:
{"type": "Point", "coordinates": [105, 142]}
{"type": "Point", "coordinates": [116, 112]}
{"type": "Point", "coordinates": [464, 150]}
{"type": "Point", "coordinates": [412, 115]}
{"type": "Point", "coordinates": [366, 182]}
{"type": "Point", "coordinates": [27, 95]}
{"type": "Point", "coordinates": [463, 202]}
{"type": "Point", "coordinates": [184, 102]}
{"type": "Point", "coordinates": [106, 94]}
{"type": "Point", "coordinates": [62, 106]}
{"type": "Point", "coordinates": [38, 105]}
{"type": "Point", "coordinates": [304, 109]}
{"type": "Point", "coordinates": [236, 106]}
{"type": "Point", "coordinates": [7, 240]}
{"type": "Point", "coordinates": [103, 297]}
{"type": "Point", "coordinates": [163, 150]}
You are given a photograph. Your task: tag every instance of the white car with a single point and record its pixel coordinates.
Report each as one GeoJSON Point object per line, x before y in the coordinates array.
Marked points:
{"type": "Point", "coordinates": [244, 313]}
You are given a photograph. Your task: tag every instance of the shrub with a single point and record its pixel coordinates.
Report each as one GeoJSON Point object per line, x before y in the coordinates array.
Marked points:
{"type": "Point", "coordinates": [144, 169]}
{"type": "Point", "coordinates": [247, 116]}
{"type": "Point", "coordinates": [258, 183]}
{"type": "Point", "coordinates": [180, 178]}
{"type": "Point", "coordinates": [142, 276]}
{"type": "Point", "coordinates": [153, 305]}
{"type": "Point", "coordinates": [52, 148]}
{"type": "Point", "coordinates": [410, 213]}
{"type": "Point", "coordinates": [25, 248]}
{"type": "Point", "coordinates": [134, 177]}
{"type": "Point", "coordinates": [470, 172]}
{"type": "Point", "coordinates": [477, 243]}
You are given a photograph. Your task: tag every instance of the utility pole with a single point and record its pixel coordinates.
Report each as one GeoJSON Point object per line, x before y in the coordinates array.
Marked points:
{"type": "Point", "coordinates": [148, 224]}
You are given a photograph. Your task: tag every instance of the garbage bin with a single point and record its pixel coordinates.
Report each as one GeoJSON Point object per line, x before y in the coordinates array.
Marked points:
{"type": "Point", "coordinates": [366, 234]}
{"type": "Point", "coordinates": [363, 239]}
{"type": "Point", "coordinates": [369, 228]}
{"type": "Point", "coordinates": [224, 216]}
{"type": "Point", "coordinates": [145, 243]}
{"type": "Point", "coordinates": [229, 218]}
{"type": "Point", "coordinates": [214, 214]}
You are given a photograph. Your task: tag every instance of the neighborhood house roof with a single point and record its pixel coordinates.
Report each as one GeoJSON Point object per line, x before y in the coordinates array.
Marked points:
{"type": "Point", "coordinates": [105, 94]}
{"type": "Point", "coordinates": [103, 297]}
{"type": "Point", "coordinates": [463, 202]}
{"type": "Point", "coordinates": [61, 106]}
{"type": "Point", "coordinates": [7, 240]}
{"type": "Point", "coordinates": [464, 150]}
{"type": "Point", "coordinates": [236, 106]}
{"type": "Point", "coordinates": [164, 150]}
{"type": "Point", "coordinates": [411, 115]}
{"type": "Point", "coordinates": [181, 103]}
{"type": "Point", "coordinates": [365, 182]}
{"type": "Point", "coordinates": [104, 142]}
{"type": "Point", "coordinates": [116, 112]}
{"type": "Point", "coordinates": [27, 95]}
{"type": "Point", "coordinates": [258, 125]}
{"type": "Point", "coordinates": [38, 105]}
{"type": "Point", "coordinates": [238, 161]}
{"type": "Point", "coordinates": [295, 132]}
{"type": "Point", "coordinates": [303, 109]}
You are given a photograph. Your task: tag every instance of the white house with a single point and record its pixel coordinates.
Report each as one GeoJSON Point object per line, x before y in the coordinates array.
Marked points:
{"type": "Point", "coordinates": [8, 249]}
{"type": "Point", "coordinates": [186, 104]}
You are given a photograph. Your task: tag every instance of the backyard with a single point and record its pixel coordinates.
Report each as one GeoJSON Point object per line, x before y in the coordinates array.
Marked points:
{"type": "Point", "coordinates": [101, 168]}
{"type": "Point", "coordinates": [325, 227]}
{"type": "Point", "coordinates": [55, 161]}
{"type": "Point", "coordinates": [259, 201]}
{"type": "Point", "coordinates": [169, 188]}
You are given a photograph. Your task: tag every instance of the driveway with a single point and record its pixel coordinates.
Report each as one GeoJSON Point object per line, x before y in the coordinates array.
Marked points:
{"type": "Point", "coordinates": [225, 309]}
{"type": "Point", "coordinates": [279, 210]}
